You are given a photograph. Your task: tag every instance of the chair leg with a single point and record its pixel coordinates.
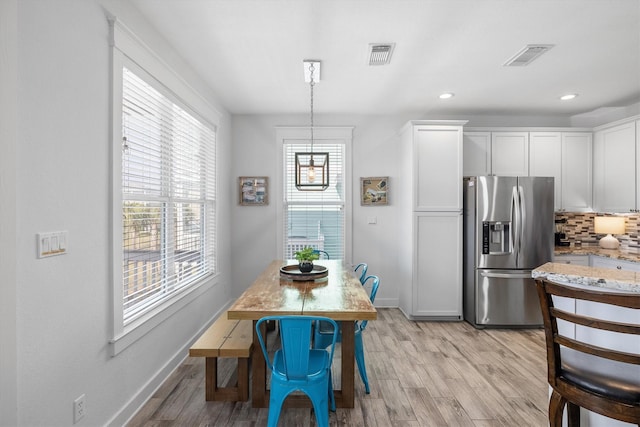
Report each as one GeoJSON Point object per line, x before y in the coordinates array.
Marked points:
{"type": "Point", "coordinates": [332, 398]}
{"type": "Point", "coordinates": [556, 408]}
{"type": "Point", "coordinates": [573, 415]}
{"type": "Point", "coordinates": [320, 404]}
{"type": "Point", "coordinates": [276, 399]}
{"type": "Point", "coordinates": [360, 361]}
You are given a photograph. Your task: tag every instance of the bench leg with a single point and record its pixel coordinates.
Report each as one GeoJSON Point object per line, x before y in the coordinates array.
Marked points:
{"type": "Point", "coordinates": [239, 393]}
{"type": "Point", "coordinates": [211, 378]}
{"type": "Point", "coordinates": [243, 379]}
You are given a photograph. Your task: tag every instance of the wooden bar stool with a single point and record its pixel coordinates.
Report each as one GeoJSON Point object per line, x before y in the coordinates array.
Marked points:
{"type": "Point", "coordinates": [585, 375]}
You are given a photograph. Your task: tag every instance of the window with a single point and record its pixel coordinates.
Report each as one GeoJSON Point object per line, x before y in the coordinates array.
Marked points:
{"type": "Point", "coordinates": [316, 218]}
{"type": "Point", "coordinates": [163, 160]}
{"type": "Point", "coordinates": [168, 197]}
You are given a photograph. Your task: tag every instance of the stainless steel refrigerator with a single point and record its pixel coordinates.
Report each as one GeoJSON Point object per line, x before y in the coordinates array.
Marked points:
{"type": "Point", "coordinates": [508, 231]}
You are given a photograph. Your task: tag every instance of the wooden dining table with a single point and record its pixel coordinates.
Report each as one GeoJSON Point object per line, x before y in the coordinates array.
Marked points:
{"type": "Point", "coordinates": [339, 295]}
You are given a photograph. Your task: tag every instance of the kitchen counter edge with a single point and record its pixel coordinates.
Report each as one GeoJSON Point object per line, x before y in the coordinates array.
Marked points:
{"type": "Point", "coordinates": [621, 254]}
{"type": "Point", "coordinates": [627, 281]}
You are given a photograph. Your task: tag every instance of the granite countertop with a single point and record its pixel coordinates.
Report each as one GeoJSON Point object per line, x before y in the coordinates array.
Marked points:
{"type": "Point", "coordinates": [622, 254]}
{"type": "Point", "coordinates": [618, 280]}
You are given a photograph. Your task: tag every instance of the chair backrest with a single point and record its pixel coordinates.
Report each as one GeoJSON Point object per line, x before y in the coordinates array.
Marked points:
{"type": "Point", "coordinates": [363, 274]}
{"type": "Point", "coordinates": [322, 254]}
{"type": "Point", "coordinates": [582, 346]}
{"type": "Point", "coordinates": [295, 339]}
{"type": "Point", "coordinates": [372, 295]}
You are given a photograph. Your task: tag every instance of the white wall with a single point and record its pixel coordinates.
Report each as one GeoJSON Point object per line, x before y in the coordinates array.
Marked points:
{"type": "Point", "coordinates": [375, 140]}
{"type": "Point", "coordinates": [63, 303]}
{"type": "Point", "coordinates": [8, 143]}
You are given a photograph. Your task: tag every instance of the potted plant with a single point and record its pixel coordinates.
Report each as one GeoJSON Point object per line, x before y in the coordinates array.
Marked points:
{"type": "Point", "coordinates": [305, 259]}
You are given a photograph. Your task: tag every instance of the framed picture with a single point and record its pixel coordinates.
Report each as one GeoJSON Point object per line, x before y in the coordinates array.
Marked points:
{"type": "Point", "coordinates": [254, 190]}
{"type": "Point", "coordinates": [374, 191]}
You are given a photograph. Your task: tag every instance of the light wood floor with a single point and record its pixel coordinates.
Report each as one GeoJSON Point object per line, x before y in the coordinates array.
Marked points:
{"type": "Point", "coordinates": [420, 374]}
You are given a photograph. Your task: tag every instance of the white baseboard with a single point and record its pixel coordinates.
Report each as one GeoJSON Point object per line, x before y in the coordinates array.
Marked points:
{"type": "Point", "coordinates": [386, 303]}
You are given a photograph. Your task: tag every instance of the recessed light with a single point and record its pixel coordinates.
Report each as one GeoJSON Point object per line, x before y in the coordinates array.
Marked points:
{"type": "Point", "coordinates": [446, 95]}
{"type": "Point", "coordinates": [568, 96]}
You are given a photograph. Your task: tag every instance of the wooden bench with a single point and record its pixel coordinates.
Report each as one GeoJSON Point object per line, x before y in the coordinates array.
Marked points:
{"type": "Point", "coordinates": [225, 338]}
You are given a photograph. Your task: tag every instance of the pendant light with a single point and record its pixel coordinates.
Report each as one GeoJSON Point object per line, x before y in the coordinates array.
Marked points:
{"type": "Point", "coordinates": [312, 168]}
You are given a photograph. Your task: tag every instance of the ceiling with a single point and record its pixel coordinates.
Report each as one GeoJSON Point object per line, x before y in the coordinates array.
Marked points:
{"type": "Point", "coordinates": [251, 53]}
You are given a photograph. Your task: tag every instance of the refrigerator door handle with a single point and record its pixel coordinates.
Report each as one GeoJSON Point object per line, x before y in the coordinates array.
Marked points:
{"type": "Point", "coordinates": [523, 218]}
{"type": "Point", "coordinates": [516, 211]}
{"type": "Point", "coordinates": [520, 275]}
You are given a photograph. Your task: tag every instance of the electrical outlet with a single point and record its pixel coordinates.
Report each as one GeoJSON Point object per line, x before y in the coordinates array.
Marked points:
{"type": "Point", "coordinates": [79, 409]}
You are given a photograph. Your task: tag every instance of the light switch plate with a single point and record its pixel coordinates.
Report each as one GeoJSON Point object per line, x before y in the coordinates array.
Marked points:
{"type": "Point", "coordinates": [52, 243]}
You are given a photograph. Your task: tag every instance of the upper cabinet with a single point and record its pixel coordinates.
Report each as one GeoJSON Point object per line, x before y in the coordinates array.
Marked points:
{"type": "Point", "coordinates": [437, 157]}
{"type": "Point", "coordinates": [577, 181]}
{"type": "Point", "coordinates": [502, 153]}
{"type": "Point", "coordinates": [545, 159]}
{"type": "Point", "coordinates": [566, 156]}
{"type": "Point", "coordinates": [510, 153]}
{"type": "Point", "coordinates": [614, 168]}
{"type": "Point", "coordinates": [477, 153]}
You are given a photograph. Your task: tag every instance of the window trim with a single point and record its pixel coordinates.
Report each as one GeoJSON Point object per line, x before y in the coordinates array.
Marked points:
{"type": "Point", "coordinates": [330, 134]}
{"type": "Point", "coordinates": [128, 50]}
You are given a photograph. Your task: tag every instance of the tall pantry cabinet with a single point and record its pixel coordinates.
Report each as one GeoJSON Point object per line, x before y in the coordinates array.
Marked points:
{"type": "Point", "coordinates": [429, 193]}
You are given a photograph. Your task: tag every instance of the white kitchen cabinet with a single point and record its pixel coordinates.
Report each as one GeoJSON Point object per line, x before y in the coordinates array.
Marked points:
{"type": "Point", "coordinates": [545, 159]}
{"type": "Point", "coordinates": [510, 153]}
{"type": "Point", "coordinates": [477, 153]}
{"type": "Point", "coordinates": [566, 156]}
{"type": "Point", "coordinates": [577, 181]}
{"type": "Point", "coordinates": [437, 168]}
{"type": "Point", "coordinates": [637, 207]}
{"type": "Point", "coordinates": [614, 168]}
{"type": "Point", "coordinates": [430, 230]}
{"type": "Point", "coordinates": [572, 259]}
{"type": "Point", "coordinates": [437, 281]}
{"type": "Point", "coordinates": [616, 264]}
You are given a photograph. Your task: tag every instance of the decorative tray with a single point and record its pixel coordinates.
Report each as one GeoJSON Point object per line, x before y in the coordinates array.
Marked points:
{"type": "Point", "coordinates": [292, 272]}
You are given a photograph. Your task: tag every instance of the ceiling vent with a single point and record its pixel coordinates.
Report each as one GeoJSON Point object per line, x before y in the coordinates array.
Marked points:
{"type": "Point", "coordinates": [527, 55]}
{"type": "Point", "coordinates": [380, 53]}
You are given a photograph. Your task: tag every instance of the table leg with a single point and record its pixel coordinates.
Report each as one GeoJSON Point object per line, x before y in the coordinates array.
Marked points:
{"type": "Point", "coordinates": [347, 394]}
{"type": "Point", "coordinates": [259, 395]}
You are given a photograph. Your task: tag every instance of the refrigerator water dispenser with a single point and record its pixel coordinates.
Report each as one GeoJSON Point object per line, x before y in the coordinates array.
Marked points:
{"type": "Point", "coordinates": [496, 237]}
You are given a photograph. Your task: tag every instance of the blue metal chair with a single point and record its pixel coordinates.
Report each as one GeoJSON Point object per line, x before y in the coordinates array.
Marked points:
{"type": "Point", "coordinates": [322, 253]}
{"type": "Point", "coordinates": [296, 366]}
{"type": "Point", "coordinates": [363, 275]}
{"type": "Point", "coordinates": [324, 332]}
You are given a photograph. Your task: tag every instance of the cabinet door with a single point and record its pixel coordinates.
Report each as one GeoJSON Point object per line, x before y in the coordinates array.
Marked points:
{"type": "Point", "coordinates": [477, 153]}
{"type": "Point", "coordinates": [437, 281]}
{"type": "Point", "coordinates": [572, 259]}
{"type": "Point", "coordinates": [577, 149]}
{"type": "Point", "coordinates": [616, 264]}
{"type": "Point", "coordinates": [615, 168]}
{"type": "Point", "coordinates": [438, 168]}
{"type": "Point", "coordinates": [510, 153]}
{"type": "Point", "coordinates": [545, 159]}
{"type": "Point", "coordinates": [637, 165]}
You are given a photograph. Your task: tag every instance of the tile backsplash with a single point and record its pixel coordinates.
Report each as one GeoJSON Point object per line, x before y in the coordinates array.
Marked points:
{"type": "Point", "coordinates": [579, 226]}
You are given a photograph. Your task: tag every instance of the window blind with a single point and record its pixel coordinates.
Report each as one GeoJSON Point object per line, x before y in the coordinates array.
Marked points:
{"type": "Point", "coordinates": [168, 193]}
{"type": "Point", "coordinates": [314, 218]}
